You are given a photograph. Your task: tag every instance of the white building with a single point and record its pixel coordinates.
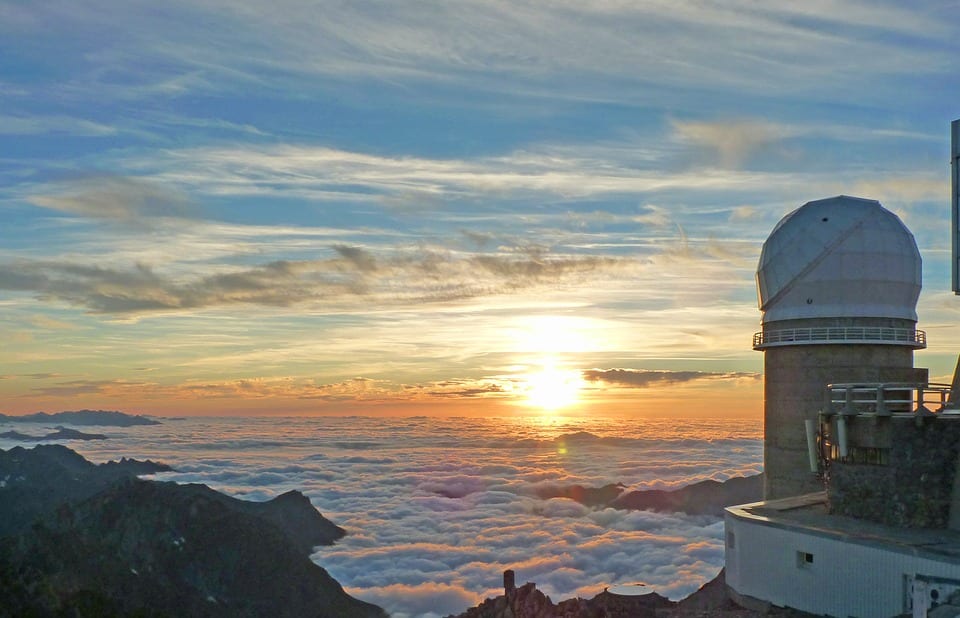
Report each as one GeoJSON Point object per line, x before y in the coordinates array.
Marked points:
{"type": "Point", "coordinates": [861, 515]}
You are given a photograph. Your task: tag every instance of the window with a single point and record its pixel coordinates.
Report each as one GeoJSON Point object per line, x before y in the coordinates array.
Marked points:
{"type": "Point", "coordinates": [804, 560]}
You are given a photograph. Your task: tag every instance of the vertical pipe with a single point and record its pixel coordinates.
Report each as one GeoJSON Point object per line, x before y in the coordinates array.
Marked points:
{"type": "Point", "coordinates": [811, 427]}
{"type": "Point", "coordinates": [842, 435]}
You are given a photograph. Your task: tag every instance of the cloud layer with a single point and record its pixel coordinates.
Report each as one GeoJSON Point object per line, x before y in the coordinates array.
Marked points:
{"type": "Point", "coordinates": [436, 509]}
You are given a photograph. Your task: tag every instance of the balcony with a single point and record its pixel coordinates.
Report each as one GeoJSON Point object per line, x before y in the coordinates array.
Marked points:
{"type": "Point", "coordinates": [873, 335]}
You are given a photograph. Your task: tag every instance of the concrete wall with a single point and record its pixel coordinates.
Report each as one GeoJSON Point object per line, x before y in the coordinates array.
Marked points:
{"type": "Point", "coordinates": [914, 489]}
{"type": "Point", "coordinates": [794, 381]}
{"type": "Point", "coordinates": [764, 561]}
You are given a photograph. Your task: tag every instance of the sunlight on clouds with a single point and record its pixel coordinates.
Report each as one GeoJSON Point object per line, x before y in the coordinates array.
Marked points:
{"type": "Point", "coordinates": [733, 140]}
{"type": "Point", "coordinates": [551, 388]}
{"type": "Point", "coordinates": [554, 334]}
{"type": "Point", "coordinates": [126, 199]}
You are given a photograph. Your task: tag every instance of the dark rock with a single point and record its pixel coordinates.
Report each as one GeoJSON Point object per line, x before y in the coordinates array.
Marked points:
{"type": "Point", "coordinates": [37, 480]}
{"type": "Point", "coordinates": [82, 417]}
{"type": "Point", "coordinates": [710, 601]}
{"type": "Point", "coordinates": [528, 602]}
{"type": "Point", "coordinates": [104, 543]}
{"type": "Point", "coordinates": [292, 513]}
{"type": "Point", "coordinates": [167, 550]}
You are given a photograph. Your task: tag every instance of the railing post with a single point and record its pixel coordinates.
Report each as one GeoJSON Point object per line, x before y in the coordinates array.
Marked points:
{"type": "Point", "coordinates": [882, 409]}
{"type": "Point", "coordinates": [848, 408]}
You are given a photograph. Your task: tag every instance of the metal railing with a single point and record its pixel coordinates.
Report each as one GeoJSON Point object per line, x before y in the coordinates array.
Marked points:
{"type": "Point", "coordinates": [887, 399]}
{"type": "Point", "coordinates": [841, 334]}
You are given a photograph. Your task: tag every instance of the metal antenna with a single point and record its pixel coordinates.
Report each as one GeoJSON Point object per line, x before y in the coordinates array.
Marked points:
{"type": "Point", "coordinates": [955, 206]}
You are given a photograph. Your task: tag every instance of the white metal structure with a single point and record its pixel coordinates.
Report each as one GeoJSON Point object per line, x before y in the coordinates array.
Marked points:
{"type": "Point", "coordinates": [839, 257]}
{"type": "Point", "coordinates": [839, 334]}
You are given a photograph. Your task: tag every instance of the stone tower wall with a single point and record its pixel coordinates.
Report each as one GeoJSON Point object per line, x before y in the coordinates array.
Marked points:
{"type": "Point", "coordinates": [794, 381]}
{"type": "Point", "coordinates": [914, 489]}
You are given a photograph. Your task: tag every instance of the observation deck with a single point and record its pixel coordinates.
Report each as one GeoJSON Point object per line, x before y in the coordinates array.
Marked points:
{"type": "Point", "coordinates": [872, 335]}
{"type": "Point", "coordinates": [889, 399]}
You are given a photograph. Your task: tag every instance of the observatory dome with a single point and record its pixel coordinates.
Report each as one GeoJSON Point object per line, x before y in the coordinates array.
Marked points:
{"type": "Point", "coordinates": [839, 257]}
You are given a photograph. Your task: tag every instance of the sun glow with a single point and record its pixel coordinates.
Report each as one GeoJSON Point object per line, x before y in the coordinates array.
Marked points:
{"type": "Point", "coordinates": [552, 388]}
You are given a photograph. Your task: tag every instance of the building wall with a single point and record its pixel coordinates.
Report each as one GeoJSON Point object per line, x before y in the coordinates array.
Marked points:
{"type": "Point", "coordinates": [913, 490]}
{"type": "Point", "coordinates": [766, 562]}
{"type": "Point", "coordinates": [794, 381]}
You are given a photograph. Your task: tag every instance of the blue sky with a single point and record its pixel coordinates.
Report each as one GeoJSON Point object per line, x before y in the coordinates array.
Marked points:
{"type": "Point", "coordinates": [435, 207]}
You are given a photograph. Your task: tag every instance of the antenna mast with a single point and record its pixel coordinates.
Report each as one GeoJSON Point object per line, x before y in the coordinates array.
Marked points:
{"type": "Point", "coordinates": [955, 199]}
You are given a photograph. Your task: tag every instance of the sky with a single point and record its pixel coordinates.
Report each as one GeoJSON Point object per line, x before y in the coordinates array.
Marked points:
{"type": "Point", "coordinates": [457, 208]}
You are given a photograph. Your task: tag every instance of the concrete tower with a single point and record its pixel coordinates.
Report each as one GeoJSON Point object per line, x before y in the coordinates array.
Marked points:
{"type": "Point", "coordinates": [838, 282]}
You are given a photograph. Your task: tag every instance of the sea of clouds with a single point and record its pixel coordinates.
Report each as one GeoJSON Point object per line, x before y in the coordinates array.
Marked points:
{"type": "Point", "coordinates": [437, 508]}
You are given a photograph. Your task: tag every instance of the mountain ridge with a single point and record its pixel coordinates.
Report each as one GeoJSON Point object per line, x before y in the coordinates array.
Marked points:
{"type": "Point", "coordinates": [98, 541]}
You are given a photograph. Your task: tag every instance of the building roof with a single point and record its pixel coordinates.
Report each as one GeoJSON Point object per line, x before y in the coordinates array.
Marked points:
{"type": "Point", "coordinates": [839, 257]}
{"type": "Point", "coordinates": [808, 514]}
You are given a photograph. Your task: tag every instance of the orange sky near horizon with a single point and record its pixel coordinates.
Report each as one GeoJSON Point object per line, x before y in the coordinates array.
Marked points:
{"type": "Point", "coordinates": [483, 209]}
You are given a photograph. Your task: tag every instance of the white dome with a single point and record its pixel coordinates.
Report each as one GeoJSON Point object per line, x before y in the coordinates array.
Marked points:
{"type": "Point", "coordinates": [839, 257]}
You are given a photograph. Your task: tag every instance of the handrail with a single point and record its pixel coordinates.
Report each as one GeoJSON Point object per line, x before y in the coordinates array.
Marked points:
{"type": "Point", "coordinates": [887, 398]}
{"type": "Point", "coordinates": [840, 334]}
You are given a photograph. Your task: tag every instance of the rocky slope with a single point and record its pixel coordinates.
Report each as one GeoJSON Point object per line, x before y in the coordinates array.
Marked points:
{"type": "Point", "coordinates": [710, 601]}
{"type": "Point", "coordinates": [97, 541]}
{"type": "Point", "coordinates": [35, 481]}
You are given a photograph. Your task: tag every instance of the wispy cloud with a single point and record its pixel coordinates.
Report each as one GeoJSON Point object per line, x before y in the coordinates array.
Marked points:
{"type": "Point", "coordinates": [493, 46]}
{"type": "Point", "coordinates": [116, 198]}
{"type": "Point", "coordinates": [640, 378]}
{"type": "Point", "coordinates": [354, 276]}
{"type": "Point", "coordinates": [733, 140]}
{"type": "Point", "coordinates": [53, 125]}
{"type": "Point", "coordinates": [330, 174]}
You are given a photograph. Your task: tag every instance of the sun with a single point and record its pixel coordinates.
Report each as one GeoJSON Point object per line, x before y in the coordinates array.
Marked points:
{"type": "Point", "coordinates": [552, 388]}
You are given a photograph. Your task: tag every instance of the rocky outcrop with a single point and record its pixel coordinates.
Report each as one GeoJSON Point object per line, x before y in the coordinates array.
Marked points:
{"type": "Point", "coordinates": [528, 602]}
{"type": "Point", "coordinates": [35, 481]}
{"type": "Point", "coordinates": [710, 601]}
{"type": "Point", "coordinates": [109, 418]}
{"type": "Point", "coordinates": [111, 544]}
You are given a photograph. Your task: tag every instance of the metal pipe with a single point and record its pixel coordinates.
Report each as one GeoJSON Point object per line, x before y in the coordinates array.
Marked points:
{"type": "Point", "coordinates": [842, 435]}
{"type": "Point", "coordinates": [811, 427]}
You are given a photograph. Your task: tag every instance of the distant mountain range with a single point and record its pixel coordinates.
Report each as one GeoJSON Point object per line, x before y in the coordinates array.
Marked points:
{"type": "Point", "coordinates": [61, 433]}
{"type": "Point", "coordinates": [108, 418]}
{"type": "Point", "coordinates": [707, 497]}
{"type": "Point", "coordinates": [87, 540]}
